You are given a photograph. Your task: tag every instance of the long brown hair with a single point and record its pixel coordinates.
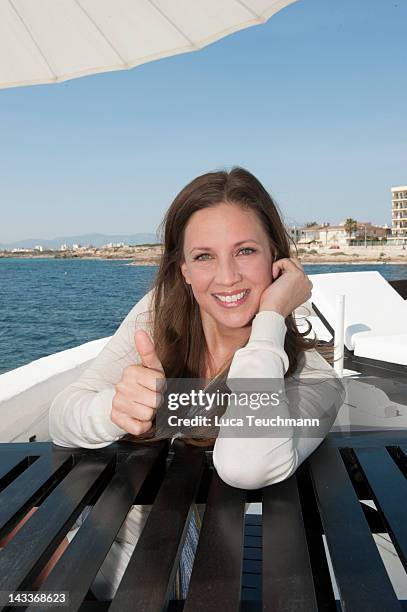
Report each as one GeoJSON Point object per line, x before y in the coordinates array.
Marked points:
{"type": "Point", "coordinates": [176, 329]}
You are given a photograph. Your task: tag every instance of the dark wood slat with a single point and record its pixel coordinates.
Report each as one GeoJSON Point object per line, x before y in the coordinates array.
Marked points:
{"type": "Point", "coordinates": [251, 575]}
{"type": "Point", "coordinates": [368, 439]}
{"type": "Point", "coordinates": [362, 580]}
{"type": "Point", "coordinates": [217, 573]}
{"type": "Point", "coordinates": [375, 367]}
{"type": "Point", "coordinates": [149, 577]}
{"type": "Point", "coordinates": [389, 488]}
{"type": "Point", "coordinates": [18, 495]}
{"type": "Point", "coordinates": [33, 449]}
{"type": "Point", "coordinates": [316, 550]}
{"type": "Point", "coordinates": [8, 462]}
{"type": "Point", "coordinates": [287, 576]}
{"type": "Point", "coordinates": [80, 562]}
{"type": "Point", "coordinates": [28, 551]}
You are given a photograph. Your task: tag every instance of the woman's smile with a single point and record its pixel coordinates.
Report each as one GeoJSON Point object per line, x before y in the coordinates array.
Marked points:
{"type": "Point", "coordinates": [233, 299]}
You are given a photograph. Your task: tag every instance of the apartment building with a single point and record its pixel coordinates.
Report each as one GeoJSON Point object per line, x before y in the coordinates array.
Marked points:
{"type": "Point", "coordinates": [399, 215]}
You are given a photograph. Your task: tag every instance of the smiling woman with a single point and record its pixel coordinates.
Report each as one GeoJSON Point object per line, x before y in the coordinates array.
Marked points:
{"type": "Point", "coordinates": [229, 275]}
{"type": "Point", "coordinates": [221, 308]}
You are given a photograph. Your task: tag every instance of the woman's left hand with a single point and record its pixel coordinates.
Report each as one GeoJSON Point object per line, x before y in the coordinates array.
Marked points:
{"type": "Point", "coordinates": [290, 287]}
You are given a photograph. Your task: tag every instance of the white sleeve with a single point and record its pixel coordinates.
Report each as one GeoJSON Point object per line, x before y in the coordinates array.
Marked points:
{"type": "Point", "coordinates": [81, 414]}
{"type": "Point", "coordinates": [258, 461]}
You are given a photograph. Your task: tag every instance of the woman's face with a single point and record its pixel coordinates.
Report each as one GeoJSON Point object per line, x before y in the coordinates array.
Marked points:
{"type": "Point", "coordinates": [227, 261]}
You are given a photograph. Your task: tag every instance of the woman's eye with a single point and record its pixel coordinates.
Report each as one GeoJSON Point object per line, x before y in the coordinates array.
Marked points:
{"type": "Point", "coordinates": [202, 257]}
{"type": "Point", "coordinates": [248, 250]}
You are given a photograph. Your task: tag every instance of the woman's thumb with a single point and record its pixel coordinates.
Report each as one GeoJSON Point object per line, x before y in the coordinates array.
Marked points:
{"type": "Point", "coordinates": [146, 350]}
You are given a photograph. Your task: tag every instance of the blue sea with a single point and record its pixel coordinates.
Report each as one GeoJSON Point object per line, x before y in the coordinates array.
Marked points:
{"type": "Point", "coordinates": [49, 305]}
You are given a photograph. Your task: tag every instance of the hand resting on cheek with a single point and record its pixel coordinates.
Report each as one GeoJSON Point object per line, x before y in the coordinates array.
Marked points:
{"type": "Point", "coordinates": [289, 289]}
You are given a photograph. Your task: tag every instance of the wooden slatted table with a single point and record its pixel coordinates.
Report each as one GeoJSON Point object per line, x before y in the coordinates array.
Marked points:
{"type": "Point", "coordinates": [273, 562]}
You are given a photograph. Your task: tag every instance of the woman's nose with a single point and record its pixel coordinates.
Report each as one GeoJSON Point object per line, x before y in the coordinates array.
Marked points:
{"type": "Point", "coordinates": [227, 272]}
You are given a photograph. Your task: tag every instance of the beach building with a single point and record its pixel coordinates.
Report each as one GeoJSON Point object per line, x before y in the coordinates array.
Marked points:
{"type": "Point", "coordinates": [309, 235]}
{"type": "Point", "coordinates": [322, 235]}
{"type": "Point", "coordinates": [294, 232]}
{"type": "Point", "coordinates": [365, 230]}
{"type": "Point", "coordinates": [338, 235]}
{"type": "Point", "coordinates": [333, 235]}
{"type": "Point", "coordinates": [399, 215]}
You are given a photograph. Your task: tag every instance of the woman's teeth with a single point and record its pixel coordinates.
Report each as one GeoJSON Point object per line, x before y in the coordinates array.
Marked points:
{"type": "Point", "coordinates": [231, 298]}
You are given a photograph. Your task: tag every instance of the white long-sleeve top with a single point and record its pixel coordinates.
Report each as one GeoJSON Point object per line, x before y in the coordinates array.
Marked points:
{"type": "Point", "coordinates": [80, 415]}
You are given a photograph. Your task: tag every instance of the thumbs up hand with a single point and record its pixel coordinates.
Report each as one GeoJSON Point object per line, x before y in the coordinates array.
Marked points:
{"type": "Point", "coordinates": [146, 350]}
{"type": "Point", "coordinates": [139, 392]}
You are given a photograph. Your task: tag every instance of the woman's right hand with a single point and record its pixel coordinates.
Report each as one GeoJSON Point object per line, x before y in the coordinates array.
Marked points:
{"type": "Point", "coordinates": [290, 287]}
{"type": "Point", "coordinates": [139, 392]}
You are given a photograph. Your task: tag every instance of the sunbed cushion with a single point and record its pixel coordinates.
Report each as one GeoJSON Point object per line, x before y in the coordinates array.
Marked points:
{"type": "Point", "coordinates": [371, 304]}
{"type": "Point", "coordinates": [391, 348]}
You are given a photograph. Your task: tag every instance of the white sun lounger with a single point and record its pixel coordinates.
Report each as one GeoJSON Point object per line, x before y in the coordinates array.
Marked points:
{"type": "Point", "coordinates": [375, 314]}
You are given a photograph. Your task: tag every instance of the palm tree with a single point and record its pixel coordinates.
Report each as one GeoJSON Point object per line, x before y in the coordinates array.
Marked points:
{"type": "Point", "coordinates": [351, 226]}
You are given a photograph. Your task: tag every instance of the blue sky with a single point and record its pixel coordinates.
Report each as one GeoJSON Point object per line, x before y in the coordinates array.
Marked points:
{"type": "Point", "coordinates": [313, 103]}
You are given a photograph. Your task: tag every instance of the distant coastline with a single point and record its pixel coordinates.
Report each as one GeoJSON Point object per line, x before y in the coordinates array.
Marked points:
{"type": "Point", "coordinates": [149, 255]}
{"type": "Point", "coordinates": [143, 255]}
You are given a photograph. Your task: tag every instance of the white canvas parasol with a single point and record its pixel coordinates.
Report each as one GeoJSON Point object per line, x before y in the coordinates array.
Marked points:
{"type": "Point", "coordinates": [49, 41]}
